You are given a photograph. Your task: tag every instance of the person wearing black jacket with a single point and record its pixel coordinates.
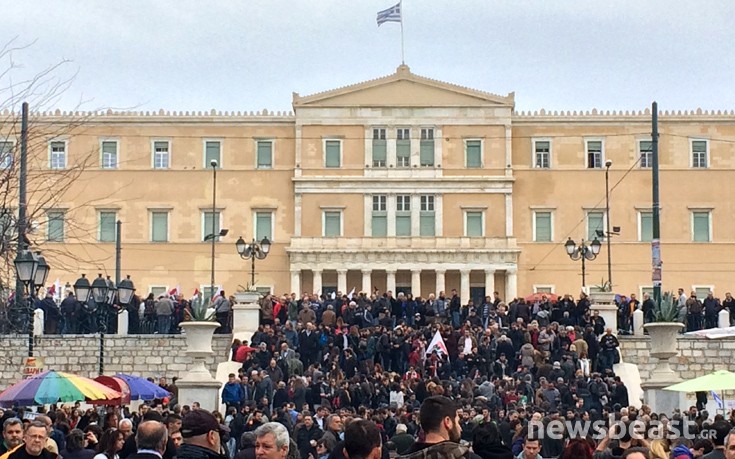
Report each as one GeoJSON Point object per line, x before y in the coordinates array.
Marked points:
{"type": "Point", "coordinates": [307, 433]}
{"type": "Point", "coordinates": [151, 439]}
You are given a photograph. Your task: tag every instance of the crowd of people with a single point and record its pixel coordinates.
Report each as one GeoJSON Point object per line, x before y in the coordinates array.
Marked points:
{"type": "Point", "coordinates": [471, 378]}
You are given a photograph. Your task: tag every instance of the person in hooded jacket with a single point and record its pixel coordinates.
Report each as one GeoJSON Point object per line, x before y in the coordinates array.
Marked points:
{"type": "Point", "coordinates": [488, 444]}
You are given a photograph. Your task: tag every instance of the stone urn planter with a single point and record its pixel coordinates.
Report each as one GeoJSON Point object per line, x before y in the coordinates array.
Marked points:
{"type": "Point", "coordinates": [602, 297]}
{"type": "Point", "coordinates": [664, 345]}
{"type": "Point", "coordinates": [247, 297]}
{"type": "Point", "coordinates": [199, 337]}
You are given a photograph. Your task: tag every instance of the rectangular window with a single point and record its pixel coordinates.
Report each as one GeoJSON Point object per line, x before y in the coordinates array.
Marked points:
{"type": "Point", "coordinates": [332, 223]}
{"type": "Point", "coordinates": [158, 290]}
{"type": "Point", "coordinates": [57, 155]}
{"type": "Point", "coordinates": [701, 231]}
{"type": "Point", "coordinates": [263, 225]}
{"type": "Point", "coordinates": [210, 218]}
{"type": "Point", "coordinates": [645, 152]}
{"type": "Point", "coordinates": [159, 226]}
{"type": "Point", "coordinates": [594, 154]}
{"type": "Point", "coordinates": [403, 215]}
{"type": "Point", "coordinates": [646, 226]}
{"type": "Point", "coordinates": [212, 151]}
{"type": "Point", "coordinates": [109, 154]}
{"type": "Point", "coordinates": [542, 227]}
{"type": "Point", "coordinates": [595, 223]}
{"type": "Point", "coordinates": [380, 148]}
{"type": "Point", "coordinates": [473, 153]}
{"type": "Point", "coordinates": [403, 147]}
{"type": "Point", "coordinates": [380, 216]}
{"type": "Point", "coordinates": [161, 154]}
{"type": "Point", "coordinates": [542, 154]}
{"type": "Point", "coordinates": [702, 291]}
{"type": "Point", "coordinates": [6, 154]}
{"type": "Point", "coordinates": [55, 226]}
{"type": "Point", "coordinates": [473, 224]}
{"type": "Point", "coordinates": [427, 147]}
{"type": "Point", "coordinates": [265, 154]}
{"type": "Point", "coordinates": [699, 153]}
{"type": "Point", "coordinates": [332, 153]}
{"type": "Point", "coordinates": [107, 226]}
{"type": "Point", "coordinates": [427, 216]}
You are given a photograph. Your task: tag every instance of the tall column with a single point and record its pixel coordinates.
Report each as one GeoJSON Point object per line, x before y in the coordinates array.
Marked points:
{"type": "Point", "coordinates": [489, 282]}
{"type": "Point", "coordinates": [511, 284]}
{"type": "Point", "coordinates": [440, 280]}
{"type": "Point", "coordinates": [367, 281]}
{"type": "Point", "coordinates": [296, 282]}
{"type": "Point", "coordinates": [416, 283]}
{"type": "Point", "coordinates": [508, 215]}
{"type": "Point", "coordinates": [342, 281]}
{"type": "Point", "coordinates": [390, 280]}
{"type": "Point", "coordinates": [317, 283]}
{"type": "Point", "coordinates": [464, 285]}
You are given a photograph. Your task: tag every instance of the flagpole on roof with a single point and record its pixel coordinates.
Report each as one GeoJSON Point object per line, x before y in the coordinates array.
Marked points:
{"type": "Point", "coordinates": [400, 6]}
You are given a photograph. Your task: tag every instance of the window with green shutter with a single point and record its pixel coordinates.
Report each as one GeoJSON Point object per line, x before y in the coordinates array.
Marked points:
{"type": "Point", "coordinates": [595, 222]}
{"type": "Point", "coordinates": [265, 154]}
{"type": "Point", "coordinates": [646, 226]}
{"type": "Point", "coordinates": [645, 150]}
{"type": "Point", "coordinates": [159, 226]}
{"type": "Point", "coordinates": [107, 227]}
{"type": "Point", "coordinates": [542, 154]}
{"type": "Point", "coordinates": [426, 147]}
{"type": "Point", "coordinates": [700, 227]}
{"type": "Point", "coordinates": [543, 226]}
{"type": "Point", "coordinates": [474, 153]}
{"type": "Point", "coordinates": [332, 153]}
{"type": "Point", "coordinates": [380, 148]}
{"type": "Point", "coordinates": [427, 216]}
{"type": "Point", "coordinates": [403, 215]}
{"type": "Point", "coordinates": [55, 226]}
{"type": "Point", "coordinates": [594, 154]}
{"type": "Point", "coordinates": [473, 224]}
{"type": "Point", "coordinates": [6, 154]}
{"type": "Point", "coordinates": [379, 216]}
{"type": "Point", "coordinates": [211, 218]}
{"type": "Point", "coordinates": [332, 223]}
{"type": "Point", "coordinates": [699, 153]}
{"type": "Point", "coordinates": [109, 154]}
{"type": "Point", "coordinates": [403, 147]}
{"type": "Point", "coordinates": [263, 225]}
{"type": "Point", "coordinates": [212, 151]}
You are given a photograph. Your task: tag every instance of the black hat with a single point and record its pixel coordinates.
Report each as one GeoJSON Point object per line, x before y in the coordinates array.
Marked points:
{"type": "Point", "coordinates": [199, 422]}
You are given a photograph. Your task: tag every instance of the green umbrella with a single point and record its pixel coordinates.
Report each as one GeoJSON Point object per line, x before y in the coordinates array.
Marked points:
{"type": "Point", "coordinates": [718, 381]}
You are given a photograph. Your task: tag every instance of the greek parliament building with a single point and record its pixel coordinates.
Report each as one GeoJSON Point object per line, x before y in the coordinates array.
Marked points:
{"type": "Point", "coordinates": [403, 183]}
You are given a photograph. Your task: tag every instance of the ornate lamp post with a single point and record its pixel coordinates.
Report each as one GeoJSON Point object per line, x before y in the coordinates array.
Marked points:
{"type": "Point", "coordinates": [252, 251]}
{"type": "Point", "coordinates": [26, 265]}
{"type": "Point", "coordinates": [584, 252]}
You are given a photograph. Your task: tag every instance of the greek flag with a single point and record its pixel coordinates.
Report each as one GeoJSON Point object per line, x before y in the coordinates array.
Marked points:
{"type": "Point", "coordinates": [392, 14]}
{"type": "Point", "coordinates": [717, 399]}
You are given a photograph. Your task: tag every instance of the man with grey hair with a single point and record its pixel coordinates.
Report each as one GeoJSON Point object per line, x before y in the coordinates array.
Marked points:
{"type": "Point", "coordinates": [271, 441]}
{"type": "Point", "coordinates": [12, 434]}
{"type": "Point", "coordinates": [34, 442]}
{"type": "Point", "coordinates": [151, 439]}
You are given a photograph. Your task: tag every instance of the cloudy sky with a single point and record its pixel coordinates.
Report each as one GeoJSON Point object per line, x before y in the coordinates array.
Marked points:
{"type": "Point", "coordinates": [252, 54]}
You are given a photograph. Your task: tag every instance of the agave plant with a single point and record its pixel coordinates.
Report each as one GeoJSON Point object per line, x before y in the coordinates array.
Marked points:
{"type": "Point", "coordinates": [667, 310]}
{"type": "Point", "coordinates": [198, 311]}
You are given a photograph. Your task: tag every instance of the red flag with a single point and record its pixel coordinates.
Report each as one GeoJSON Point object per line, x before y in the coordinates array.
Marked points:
{"type": "Point", "coordinates": [51, 290]}
{"type": "Point", "coordinates": [172, 292]}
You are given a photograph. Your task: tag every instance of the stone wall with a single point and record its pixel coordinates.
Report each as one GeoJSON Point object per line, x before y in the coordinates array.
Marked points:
{"type": "Point", "coordinates": [697, 356]}
{"type": "Point", "coordinates": [145, 355]}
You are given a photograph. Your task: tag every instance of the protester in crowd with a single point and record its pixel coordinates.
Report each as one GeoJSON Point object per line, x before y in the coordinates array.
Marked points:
{"type": "Point", "coordinates": [362, 440]}
{"type": "Point", "coordinates": [12, 434]}
{"type": "Point", "coordinates": [110, 444]}
{"type": "Point", "coordinates": [151, 440]}
{"type": "Point", "coordinates": [271, 441]}
{"type": "Point", "coordinates": [76, 446]}
{"type": "Point", "coordinates": [35, 436]}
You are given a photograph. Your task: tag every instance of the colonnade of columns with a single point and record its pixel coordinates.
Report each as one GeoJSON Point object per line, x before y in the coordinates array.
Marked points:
{"type": "Point", "coordinates": [317, 275]}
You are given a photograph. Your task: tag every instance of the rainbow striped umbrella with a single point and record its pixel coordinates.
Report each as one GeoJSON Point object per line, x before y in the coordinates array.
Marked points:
{"type": "Point", "coordinates": [54, 387]}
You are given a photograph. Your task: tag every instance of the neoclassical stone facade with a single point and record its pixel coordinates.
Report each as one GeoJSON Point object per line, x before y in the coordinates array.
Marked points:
{"type": "Point", "coordinates": [403, 183]}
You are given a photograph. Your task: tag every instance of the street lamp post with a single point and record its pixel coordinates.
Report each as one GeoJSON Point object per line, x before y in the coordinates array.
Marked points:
{"type": "Point", "coordinates": [608, 163]}
{"type": "Point", "coordinates": [252, 251]}
{"type": "Point", "coordinates": [584, 252]}
{"type": "Point", "coordinates": [31, 270]}
{"type": "Point", "coordinates": [104, 295]}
